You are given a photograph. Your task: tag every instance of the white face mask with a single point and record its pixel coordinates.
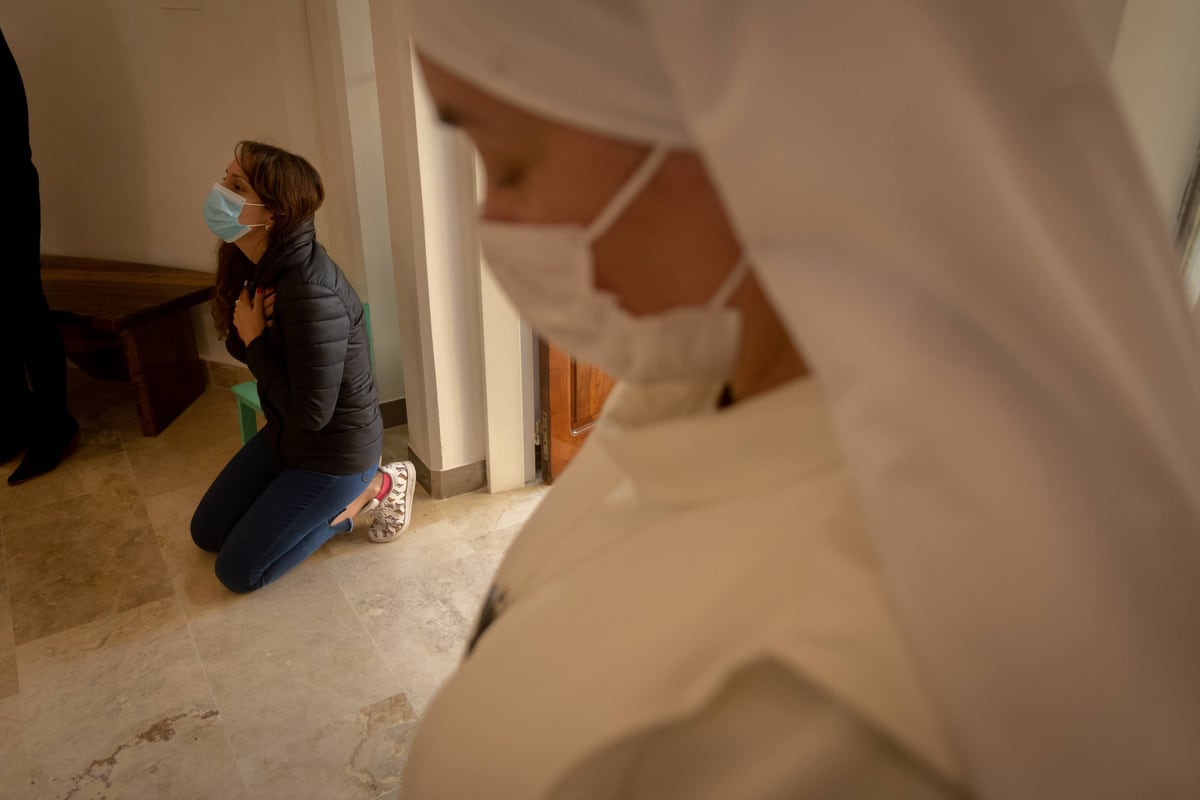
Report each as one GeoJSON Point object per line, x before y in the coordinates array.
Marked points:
{"type": "Point", "coordinates": [548, 272]}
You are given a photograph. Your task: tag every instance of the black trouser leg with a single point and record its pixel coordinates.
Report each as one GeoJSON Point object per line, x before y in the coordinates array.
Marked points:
{"type": "Point", "coordinates": [38, 345]}
{"type": "Point", "coordinates": [15, 404]}
{"type": "Point", "coordinates": [45, 359]}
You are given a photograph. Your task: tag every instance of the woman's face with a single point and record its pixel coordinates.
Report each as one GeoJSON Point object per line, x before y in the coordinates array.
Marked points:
{"type": "Point", "coordinates": [236, 181]}
{"type": "Point", "coordinates": [672, 246]}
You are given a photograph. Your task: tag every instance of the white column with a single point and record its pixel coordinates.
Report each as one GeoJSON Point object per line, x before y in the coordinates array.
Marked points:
{"type": "Point", "coordinates": [430, 195]}
{"type": "Point", "coordinates": [508, 390]}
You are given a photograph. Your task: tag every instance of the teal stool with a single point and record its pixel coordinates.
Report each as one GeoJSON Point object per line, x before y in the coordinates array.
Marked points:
{"type": "Point", "coordinates": [249, 406]}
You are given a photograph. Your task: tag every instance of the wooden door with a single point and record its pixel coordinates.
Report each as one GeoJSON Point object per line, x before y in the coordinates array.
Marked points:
{"type": "Point", "coordinates": [572, 394]}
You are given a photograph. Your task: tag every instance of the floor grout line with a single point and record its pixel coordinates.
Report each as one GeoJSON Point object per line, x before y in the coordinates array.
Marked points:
{"type": "Point", "coordinates": [20, 696]}
{"type": "Point", "coordinates": [362, 623]}
{"type": "Point", "coordinates": [187, 623]}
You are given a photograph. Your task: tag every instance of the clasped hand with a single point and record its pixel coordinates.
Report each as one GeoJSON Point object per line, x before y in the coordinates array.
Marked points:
{"type": "Point", "coordinates": [252, 314]}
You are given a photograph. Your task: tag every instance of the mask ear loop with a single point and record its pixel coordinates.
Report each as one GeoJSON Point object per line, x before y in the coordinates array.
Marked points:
{"type": "Point", "coordinates": [625, 195]}
{"type": "Point", "coordinates": [731, 283]}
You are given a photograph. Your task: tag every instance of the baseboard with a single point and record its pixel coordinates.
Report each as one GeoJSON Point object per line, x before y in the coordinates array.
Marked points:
{"type": "Point", "coordinates": [449, 482]}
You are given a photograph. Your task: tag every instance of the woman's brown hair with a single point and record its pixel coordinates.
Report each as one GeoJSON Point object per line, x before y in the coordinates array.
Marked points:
{"type": "Point", "coordinates": [291, 190]}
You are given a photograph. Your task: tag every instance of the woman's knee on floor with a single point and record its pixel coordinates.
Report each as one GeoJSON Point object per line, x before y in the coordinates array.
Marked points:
{"type": "Point", "coordinates": [207, 535]}
{"type": "Point", "coordinates": [236, 577]}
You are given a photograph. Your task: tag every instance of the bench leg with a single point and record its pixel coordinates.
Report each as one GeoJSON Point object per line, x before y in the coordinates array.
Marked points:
{"type": "Point", "coordinates": [165, 368]}
{"type": "Point", "coordinates": [248, 420]}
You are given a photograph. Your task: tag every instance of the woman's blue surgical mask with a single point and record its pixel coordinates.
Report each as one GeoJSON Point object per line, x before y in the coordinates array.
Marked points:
{"type": "Point", "coordinates": [221, 212]}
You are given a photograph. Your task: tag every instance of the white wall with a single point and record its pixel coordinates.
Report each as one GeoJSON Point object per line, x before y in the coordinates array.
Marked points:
{"type": "Point", "coordinates": [1156, 71]}
{"type": "Point", "coordinates": [348, 106]}
{"type": "Point", "coordinates": [134, 112]}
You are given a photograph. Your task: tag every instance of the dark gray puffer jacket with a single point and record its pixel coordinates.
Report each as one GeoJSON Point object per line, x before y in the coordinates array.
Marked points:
{"type": "Point", "coordinates": [313, 365]}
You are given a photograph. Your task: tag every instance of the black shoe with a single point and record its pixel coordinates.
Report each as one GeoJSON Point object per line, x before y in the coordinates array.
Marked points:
{"type": "Point", "coordinates": [46, 452]}
{"type": "Point", "coordinates": [12, 446]}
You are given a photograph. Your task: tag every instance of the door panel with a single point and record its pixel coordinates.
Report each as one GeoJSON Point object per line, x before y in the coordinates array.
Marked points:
{"type": "Point", "coordinates": [572, 394]}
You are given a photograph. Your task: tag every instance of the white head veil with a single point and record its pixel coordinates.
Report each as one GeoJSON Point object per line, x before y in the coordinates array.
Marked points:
{"type": "Point", "coordinates": [943, 203]}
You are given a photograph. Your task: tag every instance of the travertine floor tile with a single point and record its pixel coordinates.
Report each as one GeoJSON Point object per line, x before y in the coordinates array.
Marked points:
{"type": "Point", "coordinates": [108, 405]}
{"type": "Point", "coordinates": [171, 516]}
{"type": "Point", "coordinates": [99, 457]}
{"type": "Point", "coordinates": [357, 757]}
{"type": "Point", "coordinates": [121, 708]}
{"type": "Point", "coordinates": [192, 450]}
{"type": "Point", "coordinates": [8, 653]}
{"type": "Point", "coordinates": [14, 768]}
{"type": "Point", "coordinates": [482, 512]}
{"type": "Point", "coordinates": [288, 658]}
{"type": "Point", "coordinates": [87, 471]}
{"type": "Point", "coordinates": [419, 599]}
{"type": "Point", "coordinates": [190, 568]}
{"type": "Point", "coordinates": [134, 673]}
{"type": "Point", "coordinates": [80, 559]}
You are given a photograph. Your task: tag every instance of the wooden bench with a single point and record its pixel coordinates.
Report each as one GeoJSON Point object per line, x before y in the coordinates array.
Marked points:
{"type": "Point", "coordinates": [131, 321]}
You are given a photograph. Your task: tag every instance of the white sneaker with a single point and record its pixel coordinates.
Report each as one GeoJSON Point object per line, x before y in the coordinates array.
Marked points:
{"type": "Point", "coordinates": [394, 512]}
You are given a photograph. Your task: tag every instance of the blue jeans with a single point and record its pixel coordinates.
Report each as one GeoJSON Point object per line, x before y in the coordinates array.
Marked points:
{"type": "Point", "coordinates": [262, 517]}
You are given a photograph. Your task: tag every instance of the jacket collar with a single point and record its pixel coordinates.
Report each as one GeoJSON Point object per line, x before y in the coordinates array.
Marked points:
{"type": "Point", "coordinates": [287, 251]}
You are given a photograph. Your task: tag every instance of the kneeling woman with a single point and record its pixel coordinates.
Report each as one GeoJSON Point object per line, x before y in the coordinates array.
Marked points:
{"type": "Point", "coordinates": [288, 312]}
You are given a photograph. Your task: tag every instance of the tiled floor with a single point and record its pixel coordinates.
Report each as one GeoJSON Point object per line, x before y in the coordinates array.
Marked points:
{"type": "Point", "coordinates": [127, 671]}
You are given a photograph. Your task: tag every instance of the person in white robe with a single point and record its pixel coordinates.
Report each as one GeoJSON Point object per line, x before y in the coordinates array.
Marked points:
{"type": "Point", "coordinates": [900, 496]}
